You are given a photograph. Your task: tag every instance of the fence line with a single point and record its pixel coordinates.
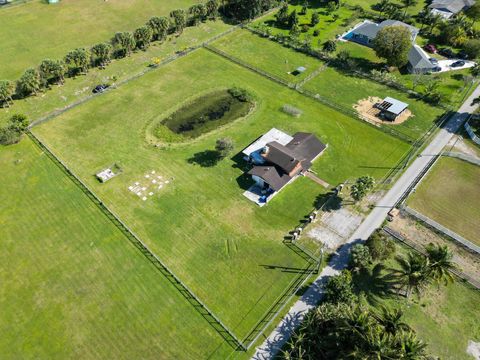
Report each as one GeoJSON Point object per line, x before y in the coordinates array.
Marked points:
{"type": "Point", "coordinates": [164, 62]}
{"type": "Point", "coordinates": [451, 234]}
{"type": "Point", "coordinates": [475, 283]}
{"type": "Point", "coordinates": [471, 133]}
{"type": "Point", "coordinates": [214, 321]}
{"type": "Point", "coordinates": [468, 158]}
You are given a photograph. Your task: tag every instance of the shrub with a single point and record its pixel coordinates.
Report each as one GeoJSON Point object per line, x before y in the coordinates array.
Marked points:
{"type": "Point", "coordinates": [8, 136]}
{"type": "Point", "coordinates": [381, 247]}
{"type": "Point", "coordinates": [316, 32]}
{"type": "Point", "coordinates": [305, 28]}
{"type": "Point", "coordinates": [339, 288]}
{"type": "Point", "coordinates": [224, 146]}
{"type": "Point", "coordinates": [360, 257]}
{"type": "Point", "coordinates": [241, 94]}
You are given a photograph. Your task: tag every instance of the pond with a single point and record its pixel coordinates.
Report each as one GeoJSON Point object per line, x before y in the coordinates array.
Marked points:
{"type": "Point", "coordinates": [204, 114]}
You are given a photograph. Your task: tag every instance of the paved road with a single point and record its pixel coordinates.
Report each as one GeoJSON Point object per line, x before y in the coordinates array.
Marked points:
{"type": "Point", "coordinates": [313, 295]}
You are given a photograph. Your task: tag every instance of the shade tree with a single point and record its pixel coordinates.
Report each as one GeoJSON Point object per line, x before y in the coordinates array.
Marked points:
{"type": "Point", "coordinates": [393, 44]}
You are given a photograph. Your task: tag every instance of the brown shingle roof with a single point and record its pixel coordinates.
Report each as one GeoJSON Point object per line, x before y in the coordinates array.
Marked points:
{"type": "Point", "coordinates": [273, 176]}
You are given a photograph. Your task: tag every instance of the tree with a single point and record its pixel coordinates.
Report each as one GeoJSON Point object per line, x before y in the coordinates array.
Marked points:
{"type": "Point", "coordinates": [212, 8]}
{"type": "Point", "coordinates": [143, 37]}
{"type": "Point", "coordinates": [393, 44]}
{"type": "Point", "coordinates": [6, 91]}
{"type": "Point", "coordinates": [339, 288]}
{"type": "Point", "coordinates": [410, 347]}
{"type": "Point", "coordinates": [19, 122]}
{"type": "Point", "coordinates": [383, 6]}
{"type": "Point", "coordinates": [282, 15]}
{"type": "Point", "coordinates": [441, 264]}
{"type": "Point", "coordinates": [224, 147]}
{"type": "Point", "coordinates": [329, 46]}
{"type": "Point", "coordinates": [292, 19]}
{"type": "Point", "coordinates": [472, 48]}
{"type": "Point", "coordinates": [475, 70]}
{"type": "Point", "coordinates": [242, 10]}
{"type": "Point", "coordinates": [407, 4]}
{"type": "Point", "coordinates": [124, 42]}
{"type": "Point", "coordinates": [295, 30]}
{"type": "Point", "coordinates": [360, 257]}
{"type": "Point", "coordinates": [159, 26]}
{"type": "Point", "coordinates": [12, 133]}
{"type": "Point", "coordinates": [474, 12]}
{"type": "Point", "coordinates": [101, 54]}
{"type": "Point", "coordinates": [381, 247]}
{"type": "Point", "coordinates": [304, 8]}
{"type": "Point", "coordinates": [331, 7]}
{"type": "Point", "coordinates": [198, 13]}
{"type": "Point", "coordinates": [361, 187]}
{"type": "Point", "coordinates": [453, 34]}
{"type": "Point", "coordinates": [315, 18]}
{"type": "Point", "coordinates": [392, 320]}
{"type": "Point", "coordinates": [29, 83]}
{"type": "Point", "coordinates": [179, 17]}
{"type": "Point", "coordinates": [414, 273]}
{"type": "Point", "coordinates": [77, 60]}
{"type": "Point", "coordinates": [52, 71]}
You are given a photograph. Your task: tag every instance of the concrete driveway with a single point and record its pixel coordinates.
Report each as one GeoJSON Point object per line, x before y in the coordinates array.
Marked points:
{"type": "Point", "coordinates": [445, 65]}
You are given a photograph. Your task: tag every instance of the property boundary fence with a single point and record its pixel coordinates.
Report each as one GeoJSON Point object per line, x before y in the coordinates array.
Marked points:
{"type": "Point", "coordinates": [397, 236]}
{"type": "Point", "coordinates": [468, 158]}
{"type": "Point", "coordinates": [471, 133]}
{"type": "Point", "coordinates": [451, 234]}
{"type": "Point", "coordinates": [212, 319]}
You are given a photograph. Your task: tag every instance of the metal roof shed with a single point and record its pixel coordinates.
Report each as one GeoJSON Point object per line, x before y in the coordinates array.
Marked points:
{"type": "Point", "coordinates": [391, 107]}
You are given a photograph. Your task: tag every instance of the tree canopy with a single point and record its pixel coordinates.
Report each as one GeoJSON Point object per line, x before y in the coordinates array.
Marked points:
{"type": "Point", "coordinates": [393, 43]}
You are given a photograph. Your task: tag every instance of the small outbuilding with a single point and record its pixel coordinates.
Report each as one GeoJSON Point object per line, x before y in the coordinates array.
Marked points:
{"type": "Point", "coordinates": [391, 108]}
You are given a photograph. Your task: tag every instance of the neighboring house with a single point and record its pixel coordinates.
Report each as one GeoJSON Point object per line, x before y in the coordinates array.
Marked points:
{"type": "Point", "coordinates": [391, 108]}
{"type": "Point", "coordinates": [449, 8]}
{"type": "Point", "coordinates": [278, 158]}
{"type": "Point", "coordinates": [418, 61]}
{"type": "Point", "coordinates": [367, 31]}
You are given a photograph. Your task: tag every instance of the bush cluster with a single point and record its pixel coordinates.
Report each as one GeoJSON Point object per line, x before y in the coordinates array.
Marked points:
{"type": "Point", "coordinates": [12, 132]}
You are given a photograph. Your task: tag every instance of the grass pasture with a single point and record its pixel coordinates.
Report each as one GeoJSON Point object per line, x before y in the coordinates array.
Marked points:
{"type": "Point", "coordinates": [73, 286]}
{"type": "Point", "coordinates": [449, 195]}
{"type": "Point", "coordinates": [35, 30]}
{"type": "Point", "coordinates": [227, 250]}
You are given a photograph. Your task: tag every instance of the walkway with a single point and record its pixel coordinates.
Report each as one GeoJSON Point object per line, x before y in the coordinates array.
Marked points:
{"type": "Point", "coordinates": [315, 178]}
{"type": "Point", "coordinates": [314, 294]}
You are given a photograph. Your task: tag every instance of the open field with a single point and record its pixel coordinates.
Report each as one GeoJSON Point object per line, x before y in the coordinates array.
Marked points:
{"type": "Point", "coordinates": [73, 286]}
{"type": "Point", "coordinates": [267, 55]}
{"type": "Point", "coordinates": [446, 317]}
{"type": "Point", "coordinates": [449, 195]}
{"type": "Point", "coordinates": [80, 87]}
{"type": "Point", "coordinates": [35, 31]}
{"type": "Point", "coordinates": [227, 250]}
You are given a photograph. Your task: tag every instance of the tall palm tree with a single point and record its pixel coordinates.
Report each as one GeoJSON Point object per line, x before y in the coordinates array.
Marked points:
{"type": "Point", "coordinates": [435, 20]}
{"type": "Point", "coordinates": [414, 273]}
{"type": "Point", "coordinates": [392, 320]}
{"type": "Point", "coordinates": [441, 264]}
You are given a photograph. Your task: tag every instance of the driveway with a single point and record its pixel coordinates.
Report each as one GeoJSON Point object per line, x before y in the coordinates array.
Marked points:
{"type": "Point", "coordinates": [445, 65]}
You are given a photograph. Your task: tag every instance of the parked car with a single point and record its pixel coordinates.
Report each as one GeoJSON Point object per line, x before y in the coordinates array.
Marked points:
{"type": "Point", "coordinates": [437, 69]}
{"type": "Point", "coordinates": [462, 55]}
{"type": "Point", "coordinates": [458, 63]}
{"type": "Point", "coordinates": [446, 52]}
{"type": "Point", "coordinates": [433, 61]}
{"type": "Point", "coordinates": [100, 88]}
{"type": "Point", "coordinates": [430, 48]}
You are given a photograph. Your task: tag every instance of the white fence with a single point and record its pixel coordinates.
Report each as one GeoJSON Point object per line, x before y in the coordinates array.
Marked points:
{"type": "Point", "coordinates": [472, 134]}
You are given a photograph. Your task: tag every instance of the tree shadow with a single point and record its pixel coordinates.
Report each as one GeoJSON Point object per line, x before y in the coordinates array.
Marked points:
{"type": "Point", "coordinates": [207, 158]}
{"type": "Point", "coordinates": [330, 202]}
{"type": "Point", "coordinates": [376, 283]}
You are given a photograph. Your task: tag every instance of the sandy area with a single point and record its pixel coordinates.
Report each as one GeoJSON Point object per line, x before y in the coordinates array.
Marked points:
{"type": "Point", "coordinates": [468, 262]}
{"type": "Point", "coordinates": [474, 349]}
{"type": "Point", "coordinates": [368, 112]}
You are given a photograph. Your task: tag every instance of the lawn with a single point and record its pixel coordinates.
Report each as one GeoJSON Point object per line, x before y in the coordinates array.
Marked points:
{"type": "Point", "coordinates": [449, 195]}
{"type": "Point", "coordinates": [35, 30]}
{"type": "Point", "coordinates": [267, 55]}
{"type": "Point", "coordinates": [73, 286]}
{"type": "Point", "coordinates": [328, 27]}
{"type": "Point", "coordinates": [445, 317]}
{"type": "Point", "coordinates": [225, 248]}
{"type": "Point", "coordinates": [78, 88]}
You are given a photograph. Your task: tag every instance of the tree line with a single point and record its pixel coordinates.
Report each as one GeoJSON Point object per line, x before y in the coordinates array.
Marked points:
{"type": "Point", "coordinates": [78, 61]}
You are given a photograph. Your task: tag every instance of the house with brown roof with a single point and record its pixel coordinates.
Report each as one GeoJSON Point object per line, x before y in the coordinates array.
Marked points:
{"type": "Point", "coordinates": [278, 158]}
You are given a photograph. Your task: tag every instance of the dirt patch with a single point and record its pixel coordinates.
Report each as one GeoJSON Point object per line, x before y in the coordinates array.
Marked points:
{"type": "Point", "coordinates": [367, 111]}
{"type": "Point", "coordinates": [474, 349]}
{"type": "Point", "coordinates": [457, 143]}
{"type": "Point", "coordinates": [412, 230]}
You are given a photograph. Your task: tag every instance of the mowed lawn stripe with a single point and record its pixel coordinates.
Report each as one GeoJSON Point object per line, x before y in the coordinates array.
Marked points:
{"type": "Point", "coordinates": [449, 195]}
{"type": "Point", "coordinates": [73, 286]}
{"type": "Point", "coordinates": [225, 248]}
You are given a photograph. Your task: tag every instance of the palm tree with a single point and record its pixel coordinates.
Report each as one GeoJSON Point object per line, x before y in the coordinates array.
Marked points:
{"type": "Point", "coordinates": [391, 320]}
{"type": "Point", "coordinates": [435, 20]}
{"type": "Point", "coordinates": [441, 264]}
{"type": "Point", "coordinates": [414, 273]}
{"type": "Point", "coordinates": [411, 347]}
{"type": "Point", "coordinates": [407, 4]}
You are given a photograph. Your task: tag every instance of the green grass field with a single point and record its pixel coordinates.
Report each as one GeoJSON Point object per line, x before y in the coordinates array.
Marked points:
{"type": "Point", "coordinates": [35, 30]}
{"type": "Point", "coordinates": [449, 195]}
{"type": "Point", "coordinates": [445, 317]}
{"type": "Point", "coordinates": [226, 249]}
{"type": "Point", "coordinates": [73, 286]}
